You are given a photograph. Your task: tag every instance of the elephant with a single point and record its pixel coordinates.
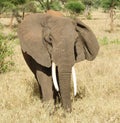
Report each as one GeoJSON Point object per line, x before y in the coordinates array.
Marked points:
{"type": "Point", "coordinates": [55, 42]}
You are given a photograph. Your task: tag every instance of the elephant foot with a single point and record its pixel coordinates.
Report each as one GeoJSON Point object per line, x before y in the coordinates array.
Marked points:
{"type": "Point", "coordinates": [61, 112]}
{"type": "Point", "coordinates": [49, 107]}
{"type": "Point", "coordinates": [68, 110]}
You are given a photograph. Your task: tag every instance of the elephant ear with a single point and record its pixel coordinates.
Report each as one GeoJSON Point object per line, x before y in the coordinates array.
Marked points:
{"type": "Point", "coordinates": [86, 45]}
{"type": "Point", "coordinates": [30, 33]}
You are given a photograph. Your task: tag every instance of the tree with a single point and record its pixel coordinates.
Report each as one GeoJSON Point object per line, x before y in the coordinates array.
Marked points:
{"type": "Point", "coordinates": [97, 4]}
{"type": "Point", "coordinates": [88, 4]}
{"type": "Point", "coordinates": [17, 8]}
{"type": "Point", "coordinates": [111, 6]}
{"type": "Point", "coordinates": [5, 5]}
{"type": "Point", "coordinates": [6, 52]}
{"type": "Point", "coordinates": [12, 6]}
{"type": "Point", "coordinates": [63, 1]}
{"type": "Point", "coordinates": [50, 4]}
{"type": "Point", "coordinates": [75, 7]}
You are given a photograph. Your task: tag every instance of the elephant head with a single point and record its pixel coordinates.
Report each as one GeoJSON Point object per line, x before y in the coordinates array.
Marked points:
{"type": "Point", "coordinates": [61, 40]}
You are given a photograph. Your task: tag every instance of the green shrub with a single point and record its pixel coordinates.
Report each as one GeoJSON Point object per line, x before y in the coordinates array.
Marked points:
{"type": "Point", "coordinates": [75, 6]}
{"type": "Point", "coordinates": [106, 41]}
{"type": "Point", "coordinates": [1, 26]}
{"type": "Point", "coordinates": [115, 41]}
{"type": "Point", "coordinates": [89, 16]}
{"type": "Point", "coordinates": [56, 6]}
{"type": "Point", "coordinates": [6, 52]}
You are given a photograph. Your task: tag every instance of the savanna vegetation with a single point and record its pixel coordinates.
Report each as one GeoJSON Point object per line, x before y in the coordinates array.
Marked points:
{"type": "Point", "coordinates": [98, 98]}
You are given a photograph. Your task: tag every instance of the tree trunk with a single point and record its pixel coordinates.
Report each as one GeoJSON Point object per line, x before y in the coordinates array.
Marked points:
{"type": "Point", "coordinates": [41, 3]}
{"type": "Point", "coordinates": [23, 13]}
{"type": "Point", "coordinates": [112, 19]}
{"type": "Point", "coordinates": [48, 5]}
{"type": "Point", "coordinates": [11, 21]}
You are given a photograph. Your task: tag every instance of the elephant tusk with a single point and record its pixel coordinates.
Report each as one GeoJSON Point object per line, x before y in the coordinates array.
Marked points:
{"type": "Point", "coordinates": [74, 81]}
{"type": "Point", "coordinates": [54, 76]}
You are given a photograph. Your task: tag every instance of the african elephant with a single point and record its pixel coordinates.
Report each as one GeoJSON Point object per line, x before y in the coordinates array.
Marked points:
{"type": "Point", "coordinates": [48, 40]}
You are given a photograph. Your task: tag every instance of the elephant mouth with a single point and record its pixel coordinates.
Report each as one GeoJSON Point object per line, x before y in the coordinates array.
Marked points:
{"type": "Point", "coordinates": [55, 82]}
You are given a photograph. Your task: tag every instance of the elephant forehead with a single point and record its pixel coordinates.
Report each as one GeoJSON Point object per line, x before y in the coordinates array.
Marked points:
{"type": "Point", "coordinates": [64, 29]}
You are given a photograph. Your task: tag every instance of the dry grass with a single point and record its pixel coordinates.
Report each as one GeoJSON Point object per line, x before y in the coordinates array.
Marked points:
{"type": "Point", "coordinates": [98, 85]}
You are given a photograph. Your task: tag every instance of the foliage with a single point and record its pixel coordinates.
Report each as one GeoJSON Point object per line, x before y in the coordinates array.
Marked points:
{"type": "Point", "coordinates": [50, 4]}
{"type": "Point", "coordinates": [30, 6]}
{"type": "Point", "coordinates": [92, 3]}
{"type": "Point", "coordinates": [17, 5]}
{"type": "Point", "coordinates": [6, 52]}
{"type": "Point", "coordinates": [111, 6]}
{"type": "Point", "coordinates": [97, 4]}
{"type": "Point", "coordinates": [75, 6]}
{"type": "Point", "coordinates": [106, 41]}
{"type": "Point", "coordinates": [7, 5]}
{"type": "Point", "coordinates": [56, 5]}
{"type": "Point", "coordinates": [89, 16]}
{"type": "Point", "coordinates": [88, 2]}
{"type": "Point", "coordinates": [1, 26]}
{"type": "Point", "coordinates": [108, 4]}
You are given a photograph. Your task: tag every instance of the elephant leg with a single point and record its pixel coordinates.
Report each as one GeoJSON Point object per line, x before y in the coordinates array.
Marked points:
{"type": "Point", "coordinates": [43, 77]}
{"type": "Point", "coordinates": [32, 65]}
{"type": "Point", "coordinates": [45, 80]}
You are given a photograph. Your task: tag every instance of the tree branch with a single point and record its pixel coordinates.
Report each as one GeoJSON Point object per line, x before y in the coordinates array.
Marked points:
{"type": "Point", "coordinates": [42, 3]}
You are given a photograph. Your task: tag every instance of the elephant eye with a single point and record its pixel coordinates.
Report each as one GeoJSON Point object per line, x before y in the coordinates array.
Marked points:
{"type": "Point", "coordinates": [48, 40]}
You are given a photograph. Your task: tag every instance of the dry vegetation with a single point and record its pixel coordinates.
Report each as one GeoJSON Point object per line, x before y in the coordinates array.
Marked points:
{"type": "Point", "coordinates": [98, 99]}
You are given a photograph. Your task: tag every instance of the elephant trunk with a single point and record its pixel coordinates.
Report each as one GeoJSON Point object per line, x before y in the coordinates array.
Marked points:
{"type": "Point", "coordinates": [74, 80]}
{"type": "Point", "coordinates": [64, 83]}
{"type": "Point", "coordinates": [55, 82]}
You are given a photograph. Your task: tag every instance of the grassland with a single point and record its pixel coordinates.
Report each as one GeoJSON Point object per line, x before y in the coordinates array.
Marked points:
{"type": "Point", "coordinates": [98, 99]}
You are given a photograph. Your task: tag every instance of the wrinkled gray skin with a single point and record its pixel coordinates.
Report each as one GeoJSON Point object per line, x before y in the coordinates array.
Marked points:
{"type": "Point", "coordinates": [45, 39]}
